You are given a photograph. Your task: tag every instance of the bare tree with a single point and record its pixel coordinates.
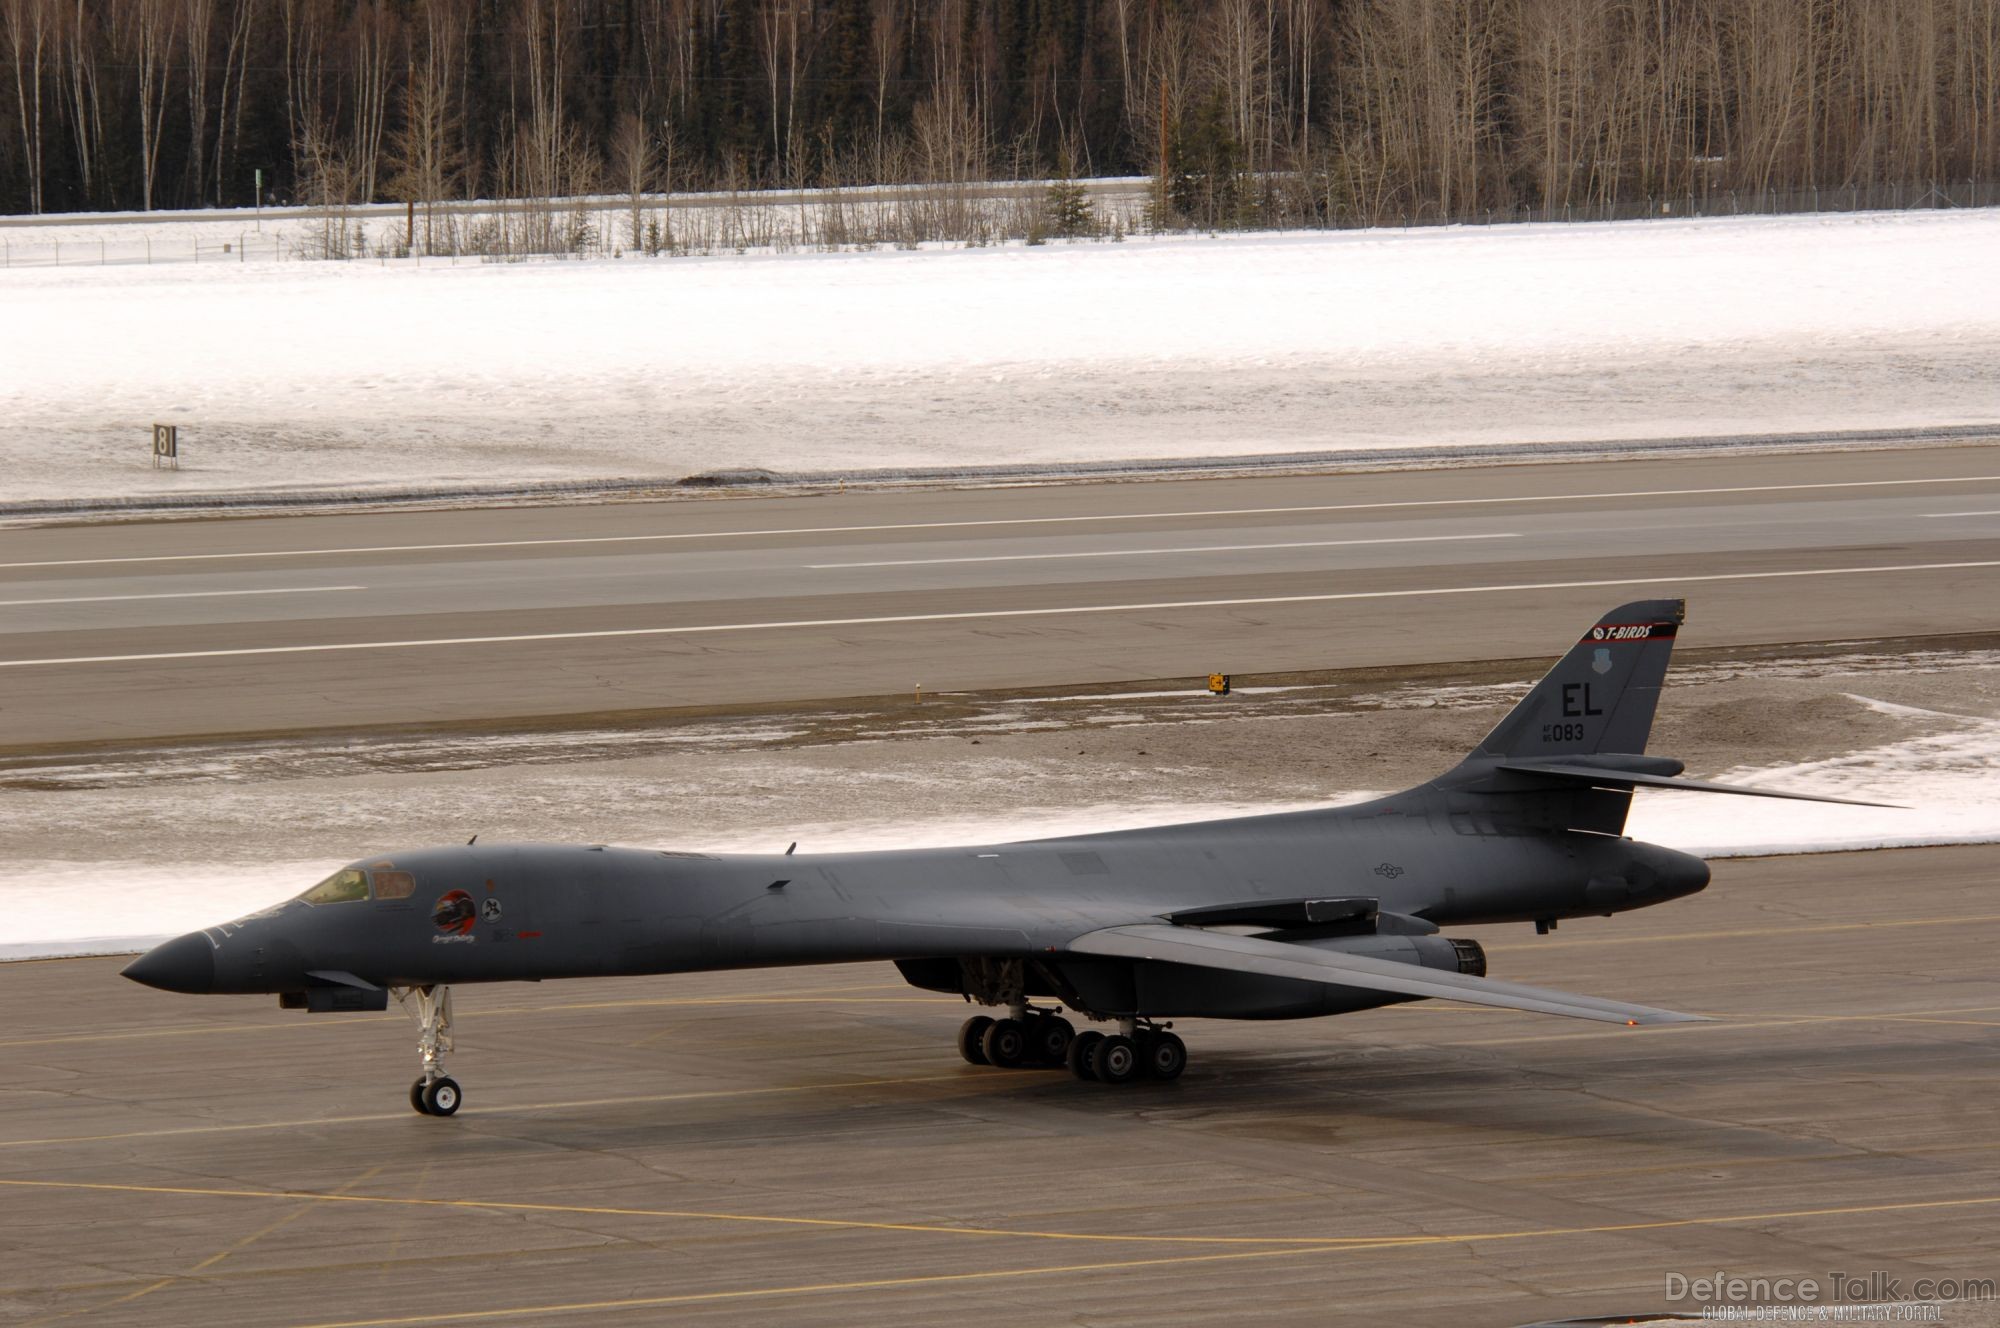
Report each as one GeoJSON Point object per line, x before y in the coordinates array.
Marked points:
{"type": "Point", "coordinates": [153, 35]}
{"type": "Point", "coordinates": [309, 113]}
{"type": "Point", "coordinates": [633, 162]}
{"type": "Point", "coordinates": [197, 26]}
{"type": "Point", "coordinates": [235, 78]}
{"type": "Point", "coordinates": [787, 32]}
{"type": "Point", "coordinates": [327, 181]}
{"type": "Point", "coordinates": [80, 44]}
{"type": "Point", "coordinates": [27, 26]}
{"type": "Point", "coordinates": [424, 157]}
{"type": "Point", "coordinates": [1237, 49]}
{"type": "Point", "coordinates": [886, 38]}
{"type": "Point", "coordinates": [1420, 80]}
{"type": "Point", "coordinates": [372, 40]}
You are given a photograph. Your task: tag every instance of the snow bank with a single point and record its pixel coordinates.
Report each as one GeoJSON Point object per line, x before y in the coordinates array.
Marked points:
{"type": "Point", "coordinates": [352, 374]}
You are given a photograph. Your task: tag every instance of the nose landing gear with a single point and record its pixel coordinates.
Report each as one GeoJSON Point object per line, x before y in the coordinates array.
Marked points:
{"type": "Point", "coordinates": [435, 1093]}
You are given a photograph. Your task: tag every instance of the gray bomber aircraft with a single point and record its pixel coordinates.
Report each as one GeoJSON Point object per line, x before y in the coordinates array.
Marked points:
{"type": "Point", "coordinates": [1265, 917]}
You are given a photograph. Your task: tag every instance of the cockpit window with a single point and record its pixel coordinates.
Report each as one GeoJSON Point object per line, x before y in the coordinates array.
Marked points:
{"type": "Point", "coordinates": [394, 884]}
{"type": "Point", "coordinates": [338, 888]}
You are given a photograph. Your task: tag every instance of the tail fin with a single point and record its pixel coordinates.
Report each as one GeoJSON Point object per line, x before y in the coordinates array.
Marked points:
{"type": "Point", "coordinates": [1600, 697]}
{"type": "Point", "coordinates": [1569, 756]}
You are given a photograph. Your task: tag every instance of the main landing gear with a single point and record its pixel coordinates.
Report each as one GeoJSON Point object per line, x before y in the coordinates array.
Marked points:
{"type": "Point", "coordinates": [435, 1093]}
{"type": "Point", "coordinates": [1026, 1037]}
{"type": "Point", "coordinates": [1030, 1037]}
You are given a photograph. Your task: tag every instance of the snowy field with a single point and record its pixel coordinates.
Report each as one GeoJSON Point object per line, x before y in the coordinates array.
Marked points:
{"type": "Point", "coordinates": [359, 375]}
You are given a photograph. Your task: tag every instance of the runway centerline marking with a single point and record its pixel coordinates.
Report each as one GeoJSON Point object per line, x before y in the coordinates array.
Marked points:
{"type": "Point", "coordinates": [1405, 504]}
{"type": "Point", "coordinates": [1664, 579]}
{"type": "Point", "coordinates": [1140, 553]}
{"type": "Point", "coordinates": [177, 594]}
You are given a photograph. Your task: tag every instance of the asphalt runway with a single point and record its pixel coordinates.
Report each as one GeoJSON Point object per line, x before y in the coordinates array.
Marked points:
{"type": "Point", "coordinates": [804, 1147]}
{"type": "Point", "coordinates": [142, 631]}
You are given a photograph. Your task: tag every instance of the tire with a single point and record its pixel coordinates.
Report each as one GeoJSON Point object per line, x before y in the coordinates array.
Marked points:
{"type": "Point", "coordinates": [1005, 1043]}
{"type": "Point", "coordinates": [970, 1034]}
{"type": "Point", "coordinates": [417, 1099]}
{"type": "Point", "coordinates": [1165, 1056]}
{"type": "Point", "coordinates": [1082, 1048]}
{"type": "Point", "coordinates": [1049, 1038]}
{"type": "Point", "coordinates": [1115, 1060]}
{"type": "Point", "coordinates": [442, 1097]}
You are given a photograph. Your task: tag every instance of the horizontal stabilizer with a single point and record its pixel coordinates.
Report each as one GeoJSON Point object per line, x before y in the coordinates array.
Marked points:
{"type": "Point", "coordinates": [1599, 777]}
{"type": "Point", "coordinates": [1248, 954]}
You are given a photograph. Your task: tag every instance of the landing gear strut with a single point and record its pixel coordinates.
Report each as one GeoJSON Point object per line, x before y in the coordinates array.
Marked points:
{"type": "Point", "coordinates": [435, 1093]}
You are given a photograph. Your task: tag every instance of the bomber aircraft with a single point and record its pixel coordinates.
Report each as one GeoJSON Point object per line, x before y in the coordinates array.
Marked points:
{"type": "Point", "coordinates": [1264, 917]}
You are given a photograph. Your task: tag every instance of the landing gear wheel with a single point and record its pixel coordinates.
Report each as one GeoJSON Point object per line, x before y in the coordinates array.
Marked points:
{"type": "Point", "coordinates": [1115, 1060]}
{"type": "Point", "coordinates": [441, 1096]}
{"type": "Point", "coordinates": [436, 1093]}
{"type": "Point", "coordinates": [1049, 1038]}
{"type": "Point", "coordinates": [1165, 1056]}
{"type": "Point", "coordinates": [970, 1034]}
{"type": "Point", "coordinates": [1005, 1043]}
{"type": "Point", "coordinates": [1082, 1048]}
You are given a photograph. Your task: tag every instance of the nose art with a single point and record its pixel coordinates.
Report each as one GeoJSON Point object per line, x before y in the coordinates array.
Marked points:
{"type": "Point", "coordinates": [186, 963]}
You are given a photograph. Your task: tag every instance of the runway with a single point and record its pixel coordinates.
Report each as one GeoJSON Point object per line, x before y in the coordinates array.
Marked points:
{"type": "Point", "coordinates": [804, 1147]}
{"type": "Point", "coordinates": [150, 631]}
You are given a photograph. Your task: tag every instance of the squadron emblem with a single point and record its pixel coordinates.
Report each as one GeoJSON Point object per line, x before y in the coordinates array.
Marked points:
{"type": "Point", "coordinates": [455, 913]}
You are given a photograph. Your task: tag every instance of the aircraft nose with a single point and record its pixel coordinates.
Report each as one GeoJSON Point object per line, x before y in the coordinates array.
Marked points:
{"type": "Point", "coordinates": [186, 963]}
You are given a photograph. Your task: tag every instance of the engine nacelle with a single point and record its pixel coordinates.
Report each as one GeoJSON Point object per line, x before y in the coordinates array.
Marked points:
{"type": "Point", "coordinates": [1168, 990]}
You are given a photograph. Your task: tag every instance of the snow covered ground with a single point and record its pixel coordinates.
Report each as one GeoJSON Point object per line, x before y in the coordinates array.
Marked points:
{"type": "Point", "coordinates": [359, 375]}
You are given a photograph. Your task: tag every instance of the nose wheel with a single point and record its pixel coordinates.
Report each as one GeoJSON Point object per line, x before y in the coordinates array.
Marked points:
{"type": "Point", "coordinates": [435, 1093]}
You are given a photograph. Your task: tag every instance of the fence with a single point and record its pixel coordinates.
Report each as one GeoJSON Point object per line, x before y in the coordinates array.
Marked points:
{"type": "Point", "coordinates": [834, 219]}
{"type": "Point", "coordinates": [105, 251]}
{"type": "Point", "coordinates": [1897, 197]}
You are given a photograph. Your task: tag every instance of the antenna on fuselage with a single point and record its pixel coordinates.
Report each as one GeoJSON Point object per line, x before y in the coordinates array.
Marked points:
{"type": "Point", "coordinates": [788, 852]}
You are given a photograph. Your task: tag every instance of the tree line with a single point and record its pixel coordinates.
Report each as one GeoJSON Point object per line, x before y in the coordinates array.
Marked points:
{"type": "Point", "coordinates": [1248, 112]}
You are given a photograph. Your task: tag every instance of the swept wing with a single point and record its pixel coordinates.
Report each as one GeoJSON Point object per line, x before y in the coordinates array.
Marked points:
{"type": "Point", "coordinates": [1250, 954]}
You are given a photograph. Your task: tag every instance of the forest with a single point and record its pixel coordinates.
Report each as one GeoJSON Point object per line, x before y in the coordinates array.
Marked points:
{"type": "Point", "coordinates": [1247, 112]}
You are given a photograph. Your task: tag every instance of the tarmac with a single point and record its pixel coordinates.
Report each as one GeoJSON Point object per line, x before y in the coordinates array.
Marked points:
{"type": "Point", "coordinates": [136, 632]}
{"type": "Point", "coordinates": [805, 1147]}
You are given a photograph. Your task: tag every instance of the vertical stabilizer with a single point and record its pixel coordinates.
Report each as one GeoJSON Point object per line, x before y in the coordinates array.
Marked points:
{"type": "Point", "coordinates": [1600, 697]}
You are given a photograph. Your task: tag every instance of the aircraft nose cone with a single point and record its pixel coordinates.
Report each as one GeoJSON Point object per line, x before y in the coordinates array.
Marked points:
{"type": "Point", "coordinates": [186, 963]}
